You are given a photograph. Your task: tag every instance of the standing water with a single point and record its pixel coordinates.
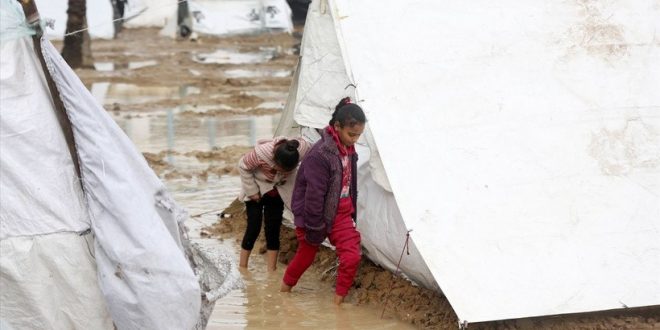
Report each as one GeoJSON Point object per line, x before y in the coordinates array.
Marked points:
{"type": "Point", "coordinates": [180, 138]}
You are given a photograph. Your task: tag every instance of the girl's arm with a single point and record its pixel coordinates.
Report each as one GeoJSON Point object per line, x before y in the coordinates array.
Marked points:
{"type": "Point", "coordinates": [317, 174]}
{"type": "Point", "coordinates": [303, 148]}
{"type": "Point", "coordinates": [247, 165]}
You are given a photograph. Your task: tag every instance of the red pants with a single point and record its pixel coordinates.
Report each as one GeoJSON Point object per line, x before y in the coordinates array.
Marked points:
{"type": "Point", "coordinates": [346, 240]}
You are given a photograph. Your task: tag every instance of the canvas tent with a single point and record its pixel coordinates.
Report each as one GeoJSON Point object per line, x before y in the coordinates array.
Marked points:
{"type": "Point", "coordinates": [89, 236]}
{"type": "Point", "coordinates": [519, 141]}
{"type": "Point", "coordinates": [219, 17]}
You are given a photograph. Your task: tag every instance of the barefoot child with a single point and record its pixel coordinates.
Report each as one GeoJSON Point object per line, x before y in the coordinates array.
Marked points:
{"type": "Point", "coordinates": [262, 171]}
{"type": "Point", "coordinates": [324, 199]}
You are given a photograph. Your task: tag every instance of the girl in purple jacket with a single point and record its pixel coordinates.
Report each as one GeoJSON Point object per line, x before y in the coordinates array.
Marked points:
{"type": "Point", "coordinates": [324, 199]}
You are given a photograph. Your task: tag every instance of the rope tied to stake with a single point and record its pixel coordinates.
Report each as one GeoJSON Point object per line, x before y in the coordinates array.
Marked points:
{"type": "Point", "coordinates": [406, 249]}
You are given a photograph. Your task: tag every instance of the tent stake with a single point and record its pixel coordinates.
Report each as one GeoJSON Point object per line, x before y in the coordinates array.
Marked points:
{"type": "Point", "coordinates": [463, 325]}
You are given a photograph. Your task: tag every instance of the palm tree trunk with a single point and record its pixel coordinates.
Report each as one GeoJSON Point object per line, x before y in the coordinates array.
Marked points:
{"type": "Point", "coordinates": [77, 51]}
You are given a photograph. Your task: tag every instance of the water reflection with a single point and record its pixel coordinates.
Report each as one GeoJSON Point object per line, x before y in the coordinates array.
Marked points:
{"type": "Point", "coordinates": [169, 130]}
{"type": "Point", "coordinates": [109, 93]}
{"type": "Point", "coordinates": [104, 66]}
{"type": "Point", "coordinates": [271, 105]}
{"type": "Point", "coordinates": [261, 73]}
{"type": "Point", "coordinates": [141, 64]}
{"type": "Point", "coordinates": [260, 305]}
{"type": "Point", "coordinates": [132, 65]}
{"type": "Point", "coordinates": [268, 94]}
{"type": "Point", "coordinates": [224, 56]}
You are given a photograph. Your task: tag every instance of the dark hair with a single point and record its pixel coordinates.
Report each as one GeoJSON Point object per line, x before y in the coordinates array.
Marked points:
{"type": "Point", "coordinates": [348, 114]}
{"type": "Point", "coordinates": [286, 154]}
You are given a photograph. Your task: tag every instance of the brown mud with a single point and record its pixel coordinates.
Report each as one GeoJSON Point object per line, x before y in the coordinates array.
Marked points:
{"type": "Point", "coordinates": [424, 308]}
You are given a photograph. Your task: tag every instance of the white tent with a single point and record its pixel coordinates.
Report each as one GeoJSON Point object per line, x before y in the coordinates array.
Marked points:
{"type": "Point", "coordinates": [209, 17]}
{"type": "Point", "coordinates": [99, 17]}
{"type": "Point", "coordinates": [518, 140]}
{"type": "Point", "coordinates": [219, 17]}
{"type": "Point", "coordinates": [88, 234]}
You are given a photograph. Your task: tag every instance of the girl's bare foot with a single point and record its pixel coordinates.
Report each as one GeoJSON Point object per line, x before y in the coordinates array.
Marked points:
{"type": "Point", "coordinates": [245, 256]}
{"type": "Point", "coordinates": [271, 260]}
{"type": "Point", "coordinates": [339, 299]}
{"type": "Point", "coordinates": [285, 288]}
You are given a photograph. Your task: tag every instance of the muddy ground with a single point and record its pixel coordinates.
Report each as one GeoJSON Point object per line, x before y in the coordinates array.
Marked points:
{"type": "Point", "coordinates": [141, 57]}
{"type": "Point", "coordinates": [183, 63]}
{"type": "Point", "coordinates": [424, 308]}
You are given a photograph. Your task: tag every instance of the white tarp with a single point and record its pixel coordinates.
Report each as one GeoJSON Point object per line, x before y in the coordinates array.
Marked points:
{"type": "Point", "coordinates": [143, 272]}
{"type": "Point", "coordinates": [219, 17]}
{"type": "Point", "coordinates": [521, 141]}
{"type": "Point", "coordinates": [42, 211]}
{"type": "Point", "coordinates": [29, 128]}
{"type": "Point", "coordinates": [321, 58]}
{"type": "Point", "coordinates": [99, 18]}
{"type": "Point", "coordinates": [70, 298]}
{"type": "Point", "coordinates": [231, 17]}
{"type": "Point", "coordinates": [319, 82]}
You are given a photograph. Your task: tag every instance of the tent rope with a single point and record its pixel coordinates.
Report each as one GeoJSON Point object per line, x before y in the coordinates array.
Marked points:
{"type": "Point", "coordinates": [406, 248]}
{"type": "Point", "coordinates": [218, 211]}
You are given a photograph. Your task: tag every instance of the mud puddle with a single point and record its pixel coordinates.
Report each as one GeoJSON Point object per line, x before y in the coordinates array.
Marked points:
{"type": "Point", "coordinates": [192, 134]}
{"type": "Point", "coordinates": [232, 56]}
{"type": "Point", "coordinates": [127, 94]}
{"type": "Point", "coordinates": [132, 65]}
{"type": "Point", "coordinates": [242, 73]}
{"type": "Point", "coordinates": [260, 305]}
{"type": "Point", "coordinates": [176, 130]}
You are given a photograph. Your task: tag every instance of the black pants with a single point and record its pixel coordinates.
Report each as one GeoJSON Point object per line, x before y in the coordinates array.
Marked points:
{"type": "Point", "coordinates": [270, 209]}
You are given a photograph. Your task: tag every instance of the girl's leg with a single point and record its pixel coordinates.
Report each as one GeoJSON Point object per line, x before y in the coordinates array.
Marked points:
{"type": "Point", "coordinates": [273, 208]}
{"type": "Point", "coordinates": [346, 240]}
{"type": "Point", "coordinates": [254, 216]}
{"type": "Point", "coordinates": [300, 262]}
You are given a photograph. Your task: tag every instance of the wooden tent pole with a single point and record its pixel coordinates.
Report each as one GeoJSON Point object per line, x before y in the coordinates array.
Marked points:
{"type": "Point", "coordinates": [31, 13]}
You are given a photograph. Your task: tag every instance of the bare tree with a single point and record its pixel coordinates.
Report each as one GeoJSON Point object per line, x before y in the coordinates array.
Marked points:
{"type": "Point", "coordinates": [118, 8]}
{"type": "Point", "coordinates": [77, 51]}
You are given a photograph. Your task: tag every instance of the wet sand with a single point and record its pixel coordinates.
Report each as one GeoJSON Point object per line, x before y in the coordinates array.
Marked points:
{"type": "Point", "coordinates": [423, 308]}
{"type": "Point", "coordinates": [192, 111]}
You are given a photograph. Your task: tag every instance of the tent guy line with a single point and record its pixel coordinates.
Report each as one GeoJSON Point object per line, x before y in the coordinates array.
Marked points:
{"type": "Point", "coordinates": [406, 249]}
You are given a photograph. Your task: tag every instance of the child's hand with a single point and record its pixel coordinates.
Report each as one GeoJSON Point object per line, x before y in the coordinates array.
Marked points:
{"type": "Point", "coordinates": [255, 198]}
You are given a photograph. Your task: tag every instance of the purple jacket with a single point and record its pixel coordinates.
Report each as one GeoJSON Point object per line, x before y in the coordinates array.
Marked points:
{"type": "Point", "coordinates": [318, 187]}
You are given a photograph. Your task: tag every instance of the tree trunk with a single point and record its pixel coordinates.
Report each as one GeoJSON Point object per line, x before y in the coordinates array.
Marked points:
{"type": "Point", "coordinates": [184, 22]}
{"type": "Point", "coordinates": [118, 7]}
{"type": "Point", "coordinates": [77, 51]}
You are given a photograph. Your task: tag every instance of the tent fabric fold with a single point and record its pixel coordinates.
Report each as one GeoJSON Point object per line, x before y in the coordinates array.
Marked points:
{"type": "Point", "coordinates": [85, 223]}
{"type": "Point", "coordinates": [143, 272]}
